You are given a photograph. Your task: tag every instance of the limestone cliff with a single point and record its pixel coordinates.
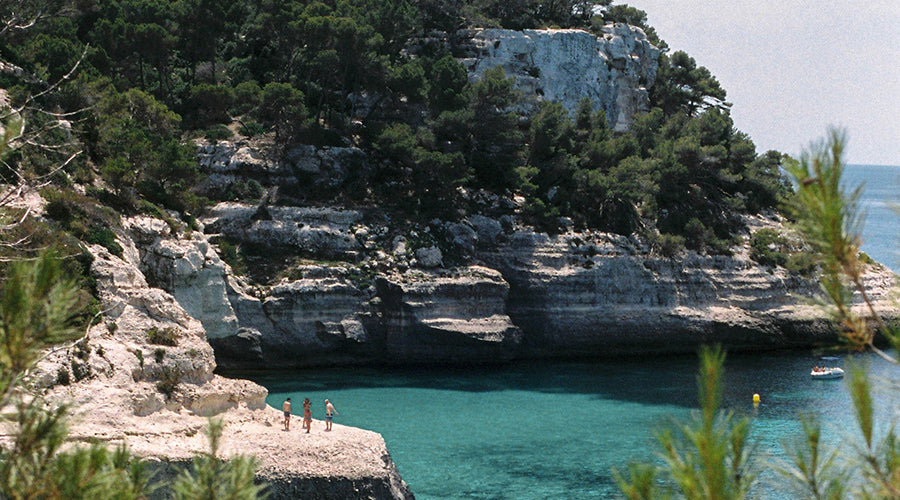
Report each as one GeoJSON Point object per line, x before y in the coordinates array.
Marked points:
{"type": "Point", "coordinates": [145, 375]}
{"type": "Point", "coordinates": [613, 70]}
{"type": "Point", "coordinates": [513, 293]}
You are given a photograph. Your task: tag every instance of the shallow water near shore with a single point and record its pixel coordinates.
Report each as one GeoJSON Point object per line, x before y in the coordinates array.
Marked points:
{"type": "Point", "coordinates": [557, 429]}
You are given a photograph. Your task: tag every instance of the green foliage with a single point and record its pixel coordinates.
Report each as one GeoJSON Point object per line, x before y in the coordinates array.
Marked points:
{"type": "Point", "coordinates": [769, 248]}
{"type": "Point", "coordinates": [207, 105]}
{"type": "Point", "coordinates": [169, 378]}
{"type": "Point", "coordinates": [708, 457]}
{"type": "Point", "coordinates": [830, 222]}
{"type": "Point", "coordinates": [84, 218]}
{"type": "Point", "coordinates": [140, 152]}
{"type": "Point", "coordinates": [158, 354]}
{"type": "Point", "coordinates": [62, 376]}
{"type": "Point", "coordinates": [38, 306]}
{"type": "Point", "coordinates": [814, 470]}
{"type": "Point", "coordinates": [80, 370]}
{"type": "Point", "coordinates": [246, 97]}
{"type": "Point", "coordinates": [232, 255]}
{"type": "Point", "coordinates": [448, 79]}
{"type": "Point", "coordinates": [139, 354]}
{"type": "Point", "coordinates": [358, 72]}
{"type": "Point", "coordinates": [492, 145]}
{"type": "Point", "coordinates": [281, 107]}
{"type": "Point", "coordinates": [217, 132]}
{"type": "Point", "coordinates": [252, 129]}
{"type": "Point", "coordinates": [530, 14]}
{"type": "Point", "coordinates": [423, 179]}
{"type": "Point", "coordinates": [211, 477]}
{"type": "Point", "coordinates": [162, 336]}
{"type": "Point", "coordinates": [684, 86]}
{"type": "Point", "coordinates": [668, 245]}
{"type": "Point", "coordinates": [828, 219]}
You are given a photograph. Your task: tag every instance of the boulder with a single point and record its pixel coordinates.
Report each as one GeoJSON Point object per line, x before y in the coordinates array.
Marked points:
{"type": "Point", "coordinates": [429, 257]}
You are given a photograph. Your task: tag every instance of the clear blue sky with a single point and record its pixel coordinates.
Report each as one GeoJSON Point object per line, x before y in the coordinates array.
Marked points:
{"type": "Point", "coordinates": [794, 67]}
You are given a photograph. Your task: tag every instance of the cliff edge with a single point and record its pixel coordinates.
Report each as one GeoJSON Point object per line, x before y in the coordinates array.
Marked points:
{"type": "Point", "coordinates": [145, 378]}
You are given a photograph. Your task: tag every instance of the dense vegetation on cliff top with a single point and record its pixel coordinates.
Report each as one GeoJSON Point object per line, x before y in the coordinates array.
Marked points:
{"type": "Point", "coordinates": [150, 75]}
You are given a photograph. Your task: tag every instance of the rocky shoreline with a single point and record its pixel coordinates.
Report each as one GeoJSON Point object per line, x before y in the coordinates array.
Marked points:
{"type": "Point", "coordinates": [350, 285]}
{"type": "Point", "coordinates": [144, 377]}
{"type": "Point", "coordinates": [519, 294]}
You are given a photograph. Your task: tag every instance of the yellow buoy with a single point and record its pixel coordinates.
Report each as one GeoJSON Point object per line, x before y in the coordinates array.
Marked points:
{"type": "Point", "coordinates": [756, 399]}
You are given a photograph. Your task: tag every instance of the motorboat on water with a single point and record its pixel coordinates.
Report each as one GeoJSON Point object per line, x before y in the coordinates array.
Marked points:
{"type": "Point", "coordinates": [826, 373]}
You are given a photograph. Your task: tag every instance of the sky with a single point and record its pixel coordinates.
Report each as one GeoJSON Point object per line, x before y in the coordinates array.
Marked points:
{"type": "Point", "coordinates": [792, 68]}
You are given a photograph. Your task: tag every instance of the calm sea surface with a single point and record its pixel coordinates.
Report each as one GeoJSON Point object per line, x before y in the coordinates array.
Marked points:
{"type": "Point", "coordinates": [556, 430]}
{"type": "Point", "coordinates": [879, 199]}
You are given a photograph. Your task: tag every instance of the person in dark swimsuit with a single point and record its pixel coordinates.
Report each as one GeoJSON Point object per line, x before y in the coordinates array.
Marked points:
{"type": "Point", "coordinates": [329, 413]}
{"type": "Point", "coordinates": [286, 408]}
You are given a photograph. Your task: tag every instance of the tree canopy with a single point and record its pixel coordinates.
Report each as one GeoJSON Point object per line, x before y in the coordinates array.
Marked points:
{"type": "Point", "coordinates": [153, 74]}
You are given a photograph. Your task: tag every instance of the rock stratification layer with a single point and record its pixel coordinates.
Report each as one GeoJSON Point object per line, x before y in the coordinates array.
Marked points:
{"type": "Point", "coordinates": [531, 295]}
{"type": "Point", "coordinates": [145, 376]}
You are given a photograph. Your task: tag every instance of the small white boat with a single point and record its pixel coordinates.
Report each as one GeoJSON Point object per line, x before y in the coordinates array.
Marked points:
{"type": "Point", "coordinates": [826, 373]}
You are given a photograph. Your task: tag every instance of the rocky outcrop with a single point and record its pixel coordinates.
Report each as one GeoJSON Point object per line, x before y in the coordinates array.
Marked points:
{"type": "Point", "coordinates": [324, 232]}
{"type": "Point", "coordinates": [429, 317]}
{"type": "Point", "coordinates": [532, 296]}
{"type": "Point", "coordinates": [601, 294]}
{"type": "Point", "coordinates": [144, 377]}
{"type": "Point", "coordinates": [614, 70]}
{"type": "Point", "coordinates": [242, 169]}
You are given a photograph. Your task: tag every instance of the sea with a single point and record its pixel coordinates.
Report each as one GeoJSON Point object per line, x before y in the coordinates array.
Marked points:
{"type": "Point", "coordinates": [560, 429]}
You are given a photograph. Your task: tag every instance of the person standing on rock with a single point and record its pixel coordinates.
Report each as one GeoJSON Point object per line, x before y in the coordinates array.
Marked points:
{"type": "Point", "coordinates": [329, 413]}
{"type": "Point", "coordinates": [307, 414]}
{"type": "Point", "coordinates": [286, 408]}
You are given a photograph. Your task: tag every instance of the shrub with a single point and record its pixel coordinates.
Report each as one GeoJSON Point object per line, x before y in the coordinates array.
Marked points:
{"type": "Point", "coordinates": [768, 247]}
{"type": "Point", "coordinates": [80, 371]}
{"type": "Point", "coordinates": [232, 255]}
{"type": "Point", "coordinates": [169, 378]}
{"type": "Point", "coordinates": [158, 354]}
{"type": "Point", "coordinates": [84, 218]}
{"type": "Point", "coordinates": [208, 104]}
{"type": "Point", "coordinates": [252, 129]}
{"type": "Point", "coordinates": [217, 132]}
{"type": "Point", "coordinates": [246, 97]}
{"type": "Point", "coordinates": [162, 336]}
{"type": "Point", "coordinates": [139, 354]}
{"type": "Point", "coordinates": [803, 263]}
{"type": "Point", "coordinates": [668, 245]}
{"type": "Point", "coordinates": [82, 350]}
{"type": "Point", "coordinates": [62, 376]}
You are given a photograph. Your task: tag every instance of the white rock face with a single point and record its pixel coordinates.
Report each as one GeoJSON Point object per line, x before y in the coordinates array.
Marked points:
{"type": "Point", "coordinates": [614, 70]}
{"type": "Point", "coordinates": [191, 271]}
{"type": "Point", "coordinates": [307, 229]}
{"type": "Point", "coordinates": [112, 381]}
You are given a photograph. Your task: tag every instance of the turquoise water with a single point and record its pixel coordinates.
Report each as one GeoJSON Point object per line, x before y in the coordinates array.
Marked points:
{"type": "Point", "coordinates": [556, 430]}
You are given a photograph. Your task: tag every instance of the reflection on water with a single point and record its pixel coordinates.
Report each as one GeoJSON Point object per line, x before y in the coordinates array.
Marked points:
{"type": "Point", "coordinates": [541, 430]}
